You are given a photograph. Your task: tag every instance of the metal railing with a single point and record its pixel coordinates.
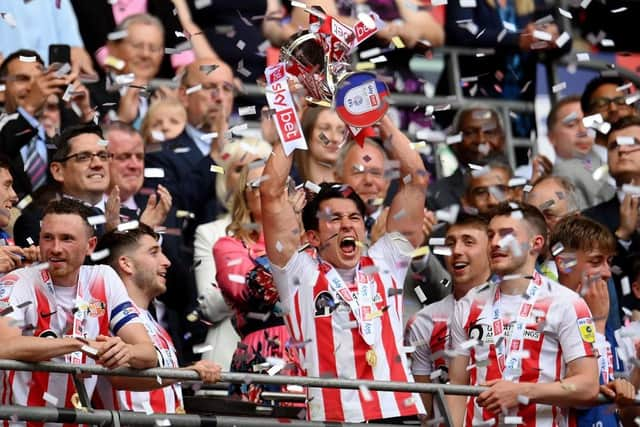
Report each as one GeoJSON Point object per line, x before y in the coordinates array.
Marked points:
{"type": "Point", "coordinates": [87, 415]}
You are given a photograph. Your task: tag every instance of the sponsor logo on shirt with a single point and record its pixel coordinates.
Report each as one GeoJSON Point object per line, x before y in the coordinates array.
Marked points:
{"type": "Point", "coordinates": [587, 329]}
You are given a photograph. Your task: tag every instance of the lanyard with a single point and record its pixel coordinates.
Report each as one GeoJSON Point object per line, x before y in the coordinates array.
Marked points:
{"type": "Point", "coordinates": [362, 306]}
{"type": "Point", "coordinates": [509, 355]}
{"type": "Point", "coordinates": [79, 317]}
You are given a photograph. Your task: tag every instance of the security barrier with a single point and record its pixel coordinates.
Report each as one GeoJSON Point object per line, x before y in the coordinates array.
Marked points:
{"type": "Point", "coordinates": [86, 415]}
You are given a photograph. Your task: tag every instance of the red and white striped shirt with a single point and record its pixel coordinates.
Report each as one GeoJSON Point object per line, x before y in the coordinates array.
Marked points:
{"type": "Point", "coordinates": [335, 347]}
{"type": "Point", "coordinates": [165, 400]}
{"type": "Point", "coordinates": [101, 306]}
{"type": "Point", "coordinates": [558, 330]}
{"type": "Point", "coordinates": [428, 332]}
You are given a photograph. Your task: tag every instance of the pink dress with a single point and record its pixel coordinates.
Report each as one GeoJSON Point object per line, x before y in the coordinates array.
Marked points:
{"type": "Point", "coordinates": [244, 278]}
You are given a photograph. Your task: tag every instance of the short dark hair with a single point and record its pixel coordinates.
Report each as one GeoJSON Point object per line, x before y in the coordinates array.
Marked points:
{"type": "Point", "coordinates": [4, 67]}
{"type": "Point", "coordinates": [63, 147]}
{"type": "Point", "coordinates": [553, 118]}
{"type": "Point", "coordinates": [329, 190]}
{"type": "Point", "coordinates": [530, 213]}
{"type": "Point", "coordinates": [625, 122]}
{"type": "Point", "coordinates": [67, 205]}
{"type": "Point", "coordinates": [577, 232]}
{"type": "Point", "coordinates": [5, 163]}
{"type": "Point", "coordinates": [121, 242]}
{"type": "Point", "coordinates": [468, 220]}
{"type": "Point", "coordinates": [593, 85]}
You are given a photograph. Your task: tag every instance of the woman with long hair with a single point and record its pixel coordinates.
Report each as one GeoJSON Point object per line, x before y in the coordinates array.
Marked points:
{"type": "Point", "coordinates": [244, 277]}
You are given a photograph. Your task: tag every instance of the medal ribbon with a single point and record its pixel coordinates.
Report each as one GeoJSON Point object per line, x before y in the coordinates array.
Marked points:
{"type": "Point", "coordinates": [362, 307]}
{"type": "Point", "coordinates": [509, 356]}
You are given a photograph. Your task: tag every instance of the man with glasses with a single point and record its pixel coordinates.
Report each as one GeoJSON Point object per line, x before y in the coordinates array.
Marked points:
{"type": "Point", "coordinates": [135, 47]}
{"type": "Point", "coordinates": [607, 96]}
{"type": "Point", "coordinates": [80, 167]}
{"type": "Point", "coordinates": [487, 187]}
{"type": "Point", "coordinates": [28, 89]}
{"type": "Point", "coordinates": [620, 213]}
{"type": "Point", "coordinates": [480, 136]}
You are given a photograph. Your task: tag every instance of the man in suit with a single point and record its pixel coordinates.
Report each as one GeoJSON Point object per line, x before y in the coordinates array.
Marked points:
{"type": "Point", "coordinates": [575, 156]}
{"type": "Point", "coordinates": [22, 137]}
{"type": "Point", "coordinates": [80, 168]}
{"type": "Point", "coordinates": [187, 159]}
{"type": "Point", "coordinates": [620, 213]}
{"type": "Point", "coordinates": [482, 137]}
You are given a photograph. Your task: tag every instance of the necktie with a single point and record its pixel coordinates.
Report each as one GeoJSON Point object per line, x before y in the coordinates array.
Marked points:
{"type": "Point", "coordinates": [35, 166]}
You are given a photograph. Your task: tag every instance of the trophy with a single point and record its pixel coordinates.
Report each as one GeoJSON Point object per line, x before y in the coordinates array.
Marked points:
{"type": "Point", "coordinates": [318, 58]}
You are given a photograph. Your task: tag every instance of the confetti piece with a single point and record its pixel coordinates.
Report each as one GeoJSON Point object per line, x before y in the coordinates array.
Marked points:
{"type": "Point", "coordinates": [378, 59]}
{"type": "Point", "coordinates": [557, 249]}
{"type": "Point", "coordinates": [632, 190]}
{"type": "Point", "coordinates": [131, 225]}
{"type": "Point", "coordinates": [26, 201]}
{"type": "Point", "coordinates": [565, 13]}
{"type": "Point", "coordinates": [454, 139]}
{"type": "Point", "coordinates": [585, 4]}
{"type": "Point", "coordinates": [157, 135]}
{"type": "Point", "coordinates": [449, 215]}
{"type": "Point", "coordinates": [153, 173]}
{"type": "Point", "coordinates": [259, 316]}
{"type": "Point", "coordinates": [442, 250]}
{"type": "Point", "coordinates": [193, 89]}
{"type": "Point", "coordinates": [89, 350]}
{"type": "Point", "coordinates": [436, 241]}
{"type": "Point", "coordinates": [99, 255]}
{"type": "Point", "coordinates": [435, 374]}
{"type": "Point", "coordinates": [50, 398]}
{"type": "Point", "coordinates": [201, 4]}
{"type": "Point", "coordinates": [164, 422]}
{"type": "Point", "coordinates": [542, 35]}
{"type": "Point", "coordinates": [562, 39]}
{"type": "Point", "coordinates": [397, 42]}
{"type": "Point", "coordinates": [217, 169]}
{"type": "Point", "coordinates": [113, 62]}
{"type": "Point", "coordinates": [96, 220]}
{"type": "Point", "coordinates": [468, 3]}
{"type": "Point", "coordinates": [117, 35]}
{"type": "Point", "coordinates": [625, 140]}
{"type": "Point", "coordinates": [607, 43]}
{"type": "Point", "coordinates": [312, 186]}
{"type": "Point", "coordinates": [366, 394]}
{"type": "Point", "coordinates": [625, 285]}
{"type": "Point", "coordinates": [247, 111]}
{"type": "Point", "coordinates": [517, 182]}
{"type": "Point", "coordinates": [9, 19]}
{"type": "Point", "coordinates": [420, 294]}
{"type": "Point", "coordinates": [236, 278]}
{"type": "Point", "coordinates": [466, 345]}
{"type": "Point", "coordinates": [276, 368]}
{"type": "Point", "coordinates": [513, 420]}
{"type": "Point", "coordinates": [201, 348]}
{"type": "Point", "coordinates": [582, 56]}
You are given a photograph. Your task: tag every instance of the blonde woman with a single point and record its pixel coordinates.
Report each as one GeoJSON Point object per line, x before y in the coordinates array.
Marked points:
{"type": "Point", "coordinates": [222, 336]}
{"type": "Point", "coordinates": [244, 277]}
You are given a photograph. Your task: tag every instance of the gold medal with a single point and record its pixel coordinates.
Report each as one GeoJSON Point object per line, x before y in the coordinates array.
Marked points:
{"type": "Point", "coordinates": [371, 357]}
{"type": "Point", "coordinates": [180, 410]}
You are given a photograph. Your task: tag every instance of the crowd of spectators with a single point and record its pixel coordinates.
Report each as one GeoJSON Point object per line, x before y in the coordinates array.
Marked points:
{"type": "Point", "coordinates": [140, 181]}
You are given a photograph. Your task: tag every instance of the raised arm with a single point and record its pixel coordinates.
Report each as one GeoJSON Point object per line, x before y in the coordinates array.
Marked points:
{"type": "Point", "coordinates": [279, 221]}
{"type": "Point", "coordinates": [407, 209]}
{"type": "Point", "coordinates": [418, 25]}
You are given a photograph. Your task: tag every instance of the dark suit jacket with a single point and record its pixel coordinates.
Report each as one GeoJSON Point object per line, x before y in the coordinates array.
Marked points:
{"type": "Point", "coordinates": [14, 135]}
{"type": "Point", "coordinates": [187, 176]}
{"type": "Point", "coordinates": [446, 191]}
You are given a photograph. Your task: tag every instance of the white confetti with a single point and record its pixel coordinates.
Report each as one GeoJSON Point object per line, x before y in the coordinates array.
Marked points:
{"type": "Point", "coordinates": [99, 255]}
{"type": "Point", "coordinates": [117, 35]}
{"type": "Point", "coordinates": [435, 374]}
{"type": "Point", "coordinates": [201, 4]}
{"type": "Point", "coordinates": [27, 58]}
{"type": "Point", "coordinates": [9, 19]}
{"type": "Point", "coordinates": [50, 398]}
{"type": "Point", "coordinates": [625, 285]}
{"type": "Point", "coordinates": [201, 348]}
{"type": "Point", "coordinates": [557, 249]}
{"type": "Point", "coordinates": [163, 422]}
{"type": "Point", "coordinates": [565, 13]}
{"type": "Point", "coordinates": [131, 225]}
{"type": "Point", "coordinates": [512, 420]}
{"type": "Point", "coordinates": [153, 173]}
{"type": "Point", "coordinates": [625, 140]}
{"type": "Point", "coordinates": [30, 241]}
{"type": "Point", "coordinates": [193, 89]}
{"type": "Point", "coordinates": [607, 43]}
{"type": "Point", "coordinates": [436, 241]}
{"type": "Point", "coordinates": [217, 169]}
{"type": "Point", "coordinates": [26, 201]}
{"type": "Point", "coordinates": [442, 250]}
{"type": "Point", "coordinates": [467, 3]}
{"type": "Point", "coordinates": [209, 136]}
{"type": "Point", "coordinates": [420, 294]}
{"type": "Point", "coordinates": [157, 135]}
{"type": "Point", "coordinates": [247, 111]}
{"type": "Point", "coordinates": [563, 39]}
{"type": "Point", "coordinates": [542, 35]}
{"type": "Point", "coordinates": [312, 186]}
{"type": "Point", "coordinates": [466, 345]}
{"type": "Point", "coordinates": [585, 4]}
{"type": "Point", "coordinates": [236, 278]}
{"type": "Point", "coordinates": [96, 220]}
{"type": "Point", "coordinates": [582, 56]}
{"type": "Point", "coordinates": [366, 394]}
{"type": "Point", "coordinates": [89, 350]}
{"type": "Point", "coordinates": [517, 182]}
{"type": "Point", "coordinates": [66, 96]}
{"type": "Point", "coordinates": [454, 139]}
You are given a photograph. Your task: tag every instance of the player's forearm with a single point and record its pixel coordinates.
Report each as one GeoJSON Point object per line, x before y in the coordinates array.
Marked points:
{"type": "Point", "coordinates": [277, 170]}
{"type": "Point", "coordinates": [634, 377]}
{"type": "Point", "coordinates": [143, 356]}
{"type": "Point", "coordinates": [410, 161]}
{"type": "Point", "coordinates": [37, 349]}
{"type": "Point", "coordinates": [457, 406]}
{"type": "Point", "coordinates": [577, 390]}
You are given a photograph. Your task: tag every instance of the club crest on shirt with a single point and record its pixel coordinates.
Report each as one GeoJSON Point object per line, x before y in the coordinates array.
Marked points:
{"type": "Point", "coordinates": [97, 308]}
{"type": "Point", "coordinates": [324, 304]}
{"type": "Point", "coordinates": [587, 329]}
